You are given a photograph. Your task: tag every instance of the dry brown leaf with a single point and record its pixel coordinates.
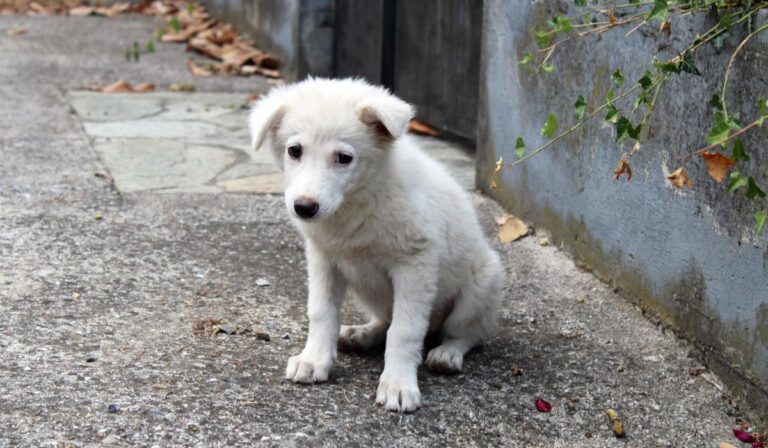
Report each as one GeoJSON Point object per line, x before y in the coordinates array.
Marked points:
{"type": "Point", "coordinates": [182, 87]}
{"type": "Point", "coordinates": [419, 127]}
{"type": "Point", "coordinates": [197, 70]}
{"type": "Point", "coordinates": [666, 28]}
{"type": "Point", "coordinates": [203, 46]}
{"type": "Point", "coordinates": [144, 87]}
{"type": "Point", "coordinates": [238, 54]}
{"type": "Point", "coordinates": [612, 16]}
{"type": "Point", "coordinates": [513, 229]}
{"type": "Point", "coordinates": [680, 178]}
{"type": "Point", "coordinates": [623, 168]}
{"type": "Point", "coordinates": [725, 445]}
{"type": "Point", "coordinates": [221, 34]}
{"type": "Point", "coordinates": [118, 87]}
{"type": "Point", "coordinates": [717, 164]}
{"type": "Point", "coordinates": [247, 70]}
{"type": "Point", "coordinates": [37, 8]}
{"type": "Point", "coordinates": [502, 219]}
{"type": "Point", "coordinates": [16, 31]}
{"type": "Point", "coordinates": [113, 10]}
{"type": "Point", "coordinates": [82, 11]}
{"type": "Point", "coordinates": [187, 33]}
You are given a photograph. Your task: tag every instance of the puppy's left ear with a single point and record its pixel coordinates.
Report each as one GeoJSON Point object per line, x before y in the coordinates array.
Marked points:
{"type": "Point", "coordinates": [387, 116]}
{"type": "Point", "coordinates": [265, 117]}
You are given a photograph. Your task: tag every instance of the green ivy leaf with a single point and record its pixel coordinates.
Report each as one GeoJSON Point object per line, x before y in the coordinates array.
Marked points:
{"type": "Point", "coordinates": [519, 148]}
{"type": "Point", "coordinates": [762, 110]}
{"type": "Point", "coordinates": [610, 96]}
{"type": "Point", "coordinates": [612, 116]}
{"type": "Point", "coordinates": [687, 65]}
{"type": "Point", "coordinates": [737, 181]}
{"type": "Point", "coordinates": [548, 68]}
{"type": "Point", "coordinates": [580, 108]}
{"type": "Point", "coordinates": [550, 127]}
{"type": "Point", "coordinates": [716, 102]}
{"type": "Point", "coordinates": [721, 130]}
{"type": "Point", "coordinates": [580, 3]}
{"type": "Point", "coordinates": [753, 189]}
{"type": "Point", "coordinates": [543, 38]}
{"type": "Point", "coordinates": [563, 24]}
{"type": "Point", "coordinates": [760, 218]}
{"type": "Point", "coordinates": [659, 11]}
{"type": "Point", "coordinates": [738, 153]}
{"type": "Point", "coordinates": [646, 82]}
{"type": "Point", "coordinates": [634, 131]}
{"type": "Point", "coordinates": [617, 78]}
{"type": "Point", "coordinates": [622, 129]}
{"type": "Point", "coordinates": [642, 97]}
{"type": "Point", "coordinates": [526, 59]}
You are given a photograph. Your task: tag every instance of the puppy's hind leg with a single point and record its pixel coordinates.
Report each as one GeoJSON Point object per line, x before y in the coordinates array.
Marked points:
{"type": "Point", "coordinates": [362, 337]}
{"type": "Point", "coordinates": [473, 318]}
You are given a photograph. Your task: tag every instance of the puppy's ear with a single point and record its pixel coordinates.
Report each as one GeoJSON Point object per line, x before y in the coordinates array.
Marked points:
{"type": "Point", "coordinates": [265, 117]}
{"type": "Point", "coordinates": [387, 116]}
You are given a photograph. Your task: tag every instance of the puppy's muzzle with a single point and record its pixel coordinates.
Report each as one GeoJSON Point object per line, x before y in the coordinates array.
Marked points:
{"type": "Point", "coordinates": [305, 208]}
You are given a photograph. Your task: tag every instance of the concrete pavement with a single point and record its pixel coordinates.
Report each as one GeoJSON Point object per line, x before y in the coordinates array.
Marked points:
{"type": "Point", "coordinates": [146, 326]}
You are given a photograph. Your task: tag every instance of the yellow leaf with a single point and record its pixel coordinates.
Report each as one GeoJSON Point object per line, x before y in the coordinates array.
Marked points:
{"type": "Point", "coordinates": [512, 229]}
{"type": "Point", "coordinates": [717, 164]}
{"type": "Point", "coordinates": [680, 178]}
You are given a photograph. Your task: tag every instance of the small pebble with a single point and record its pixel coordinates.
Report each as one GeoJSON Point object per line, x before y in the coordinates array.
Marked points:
{"type": "Point", "coordinates": [112, 409]}
{"type": "Point", "coordinates": [286, 336]}
{"type": "Point", "coordinates": [262, 282]}
{"type": "Point", "coordinates": [110, 440]}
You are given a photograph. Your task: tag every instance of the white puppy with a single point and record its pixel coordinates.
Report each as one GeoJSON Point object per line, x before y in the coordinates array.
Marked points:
{"type": "Point", "coordinates": [383, 222]}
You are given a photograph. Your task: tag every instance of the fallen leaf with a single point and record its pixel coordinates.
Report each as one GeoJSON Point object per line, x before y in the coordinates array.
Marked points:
{"type": "Point", "coordinates": [182, 87]}
{"type": "Point", "coordinates": [743, 435]}
{"type": "Point", "coordinates": [623, 168]}
{"type": "Point", "coordinates": [666, 28]}
{"type": "Point", "coordinates": [419, 127]}
{"type": "Point", "coordinates": [543, 406]}
{"type": "Point", "coordinates": [616, 425]}
{"type": "Point", "coordinates": [197, 70]}
{"type": "Point", "coordinates": [253, 70]}
{"type": "Point", "coordinates": [16, 31]}
{"type": "Point", "coordinates": [97, 216]}
{"type": "Point", "coordinates": [612, 16]}
{"type": "Point", "coordinates": [717, 164]}
{"type": "Point", "coordinates": [203, 46]}
{"type": "Point", "coordinates": [144, 88]}
{"type": "Point", "coordinates": [725, 445]}
{"type": "Point", "coordinates": [502, 219]}
{"type": "Point", "coordinates": [118, 87]}
{"type": "Point", "coordinates": [680, 178]}
{"type": "Point", "coordinates": [113, 10]}
{"type": "Point", "coordinates": [513, 229]}
{"type": "Point", "coordinates": [82, 11]}
{"type": "Point", "coordinates": [238, 54]}
{"type": "Point", "coordinates": [516, 371]}
{"type": "Point", "coordinates": [188, 32]}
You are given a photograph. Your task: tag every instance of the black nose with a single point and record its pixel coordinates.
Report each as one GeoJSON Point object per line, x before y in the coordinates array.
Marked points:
{"type": "Point", "coordinates": [306, 208]}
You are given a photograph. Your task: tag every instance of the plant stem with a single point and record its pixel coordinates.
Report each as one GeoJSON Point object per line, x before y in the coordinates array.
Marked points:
{"type": "Point", "coordinates": [730, 137]}
{"type": "Point", "coordinates": [572, 128]}
{"type": "Point", "coordinates": [730, 64]}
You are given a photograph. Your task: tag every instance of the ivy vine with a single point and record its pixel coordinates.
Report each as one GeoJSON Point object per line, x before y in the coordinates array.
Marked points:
{"type": "Point", "coordinates": [725, 150]}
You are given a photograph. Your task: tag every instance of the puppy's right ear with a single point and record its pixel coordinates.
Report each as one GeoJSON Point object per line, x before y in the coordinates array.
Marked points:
{"type": "Point", "coordinates": [265, 118]}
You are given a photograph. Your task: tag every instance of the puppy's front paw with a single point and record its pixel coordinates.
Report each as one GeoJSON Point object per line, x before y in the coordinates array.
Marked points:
{"type": "Point", "coordinates": [309, 367]}
{"type": "Point", "coordinates": [398, 394]}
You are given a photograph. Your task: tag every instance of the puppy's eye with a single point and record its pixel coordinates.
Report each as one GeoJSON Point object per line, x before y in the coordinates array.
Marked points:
{"type": "Point", "coordinates": [294, 151]}
{"type": "Point", "coordinates": [343, 159]}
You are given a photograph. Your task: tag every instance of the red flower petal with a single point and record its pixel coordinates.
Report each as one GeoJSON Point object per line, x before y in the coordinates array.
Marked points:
{"type": "Point", "coordinates": [542, 405]}
{"type": "Point", "coordinates": [743, 436]}
{"type": "Point", "coordinates": [758, 444]}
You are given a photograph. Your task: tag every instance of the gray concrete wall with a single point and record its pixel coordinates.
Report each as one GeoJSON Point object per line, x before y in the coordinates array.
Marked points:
{"type": "Point", "coordinates": [688, 257]}
{"type": "Point", "coordinates": [299, 32]}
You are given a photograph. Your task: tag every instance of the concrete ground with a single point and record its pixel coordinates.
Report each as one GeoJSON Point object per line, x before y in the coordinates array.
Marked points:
{"type": "Point", "coordinates": [147, 327]}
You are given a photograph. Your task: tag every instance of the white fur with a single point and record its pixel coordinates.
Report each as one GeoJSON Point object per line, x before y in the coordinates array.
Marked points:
{"type": "Point", "coordinates": [393, 230]}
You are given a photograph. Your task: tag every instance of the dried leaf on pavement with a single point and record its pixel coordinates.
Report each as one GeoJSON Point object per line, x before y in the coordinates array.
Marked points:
{"type": "Point", "coordinates": [144, 88]}
{"type": "Point", "coordinates": [717, 164]}
{"type": "Point", "coordinates": [82, 11]}
{"type": "Point", "coordinates": [197, 70]}
{"type": "Point", "coordinates": [16, 31]}
{"type": "Point", "coordinates": [118, 87]}
{"type": "Point", "coordinates": [512, 229]}
{"type": "Point", "coordinates": [680, 178]}
{"type": "Point", "coordinates": [419, 127]}
{"type": "Point", "coordinates": [616, 425]}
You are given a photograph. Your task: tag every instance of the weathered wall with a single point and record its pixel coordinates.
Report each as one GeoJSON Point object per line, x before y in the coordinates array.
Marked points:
{"type": "Point", "coordinates": [299, 32]}
{"type": "Point", "coordinates": [689, 257]}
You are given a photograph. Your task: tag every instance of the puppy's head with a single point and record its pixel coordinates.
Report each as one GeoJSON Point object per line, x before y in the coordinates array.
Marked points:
{"type": "Point", "coordinates": [328, 137]}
